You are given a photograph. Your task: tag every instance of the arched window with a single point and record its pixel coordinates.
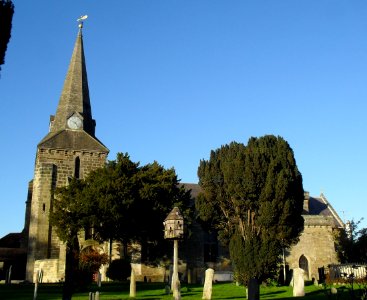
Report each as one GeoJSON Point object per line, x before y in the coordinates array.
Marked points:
{"type": "Point", "coordinates": [77, 168]}
{"type": "Point", "coordinates": [303, 264]}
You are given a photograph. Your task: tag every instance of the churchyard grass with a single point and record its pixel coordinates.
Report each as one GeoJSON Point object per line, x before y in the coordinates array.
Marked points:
{"type": "Point", "coordinates": [153, 291]}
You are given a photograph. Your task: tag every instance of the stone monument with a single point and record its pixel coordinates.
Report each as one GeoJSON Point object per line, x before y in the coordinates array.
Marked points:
{"type": "Point", "coordinates": [207, 291]}
{"type": "Point", "coordinates": [132, 284]}
{"type": "Point", "coordinates": [298, 282]}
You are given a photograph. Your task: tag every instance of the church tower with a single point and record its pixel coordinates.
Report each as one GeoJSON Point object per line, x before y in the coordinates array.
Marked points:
{"type": "Point", "coordinates": [70, 149]}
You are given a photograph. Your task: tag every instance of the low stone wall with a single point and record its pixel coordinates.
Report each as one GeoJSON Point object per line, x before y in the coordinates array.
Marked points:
{"type": "Point", "coordinates": [149, 274]}
{"type": "Point", "coordinates": [50, 270]}
{"type": "Point", "coordinates": [223, 276]}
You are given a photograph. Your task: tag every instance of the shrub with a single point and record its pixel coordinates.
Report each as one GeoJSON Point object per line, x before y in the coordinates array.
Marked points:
{"type": "Point", "coordinates": [119, 269]}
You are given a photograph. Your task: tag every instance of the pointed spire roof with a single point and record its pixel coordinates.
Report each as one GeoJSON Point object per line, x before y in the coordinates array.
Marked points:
{"type": "Point", "coordinates": [74, 101]}
{"type": "Point", "coordinates": [75, 94]}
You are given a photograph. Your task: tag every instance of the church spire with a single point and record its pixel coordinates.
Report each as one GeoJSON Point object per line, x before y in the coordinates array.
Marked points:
{"type": "Point", "coordinates": [74, 109]}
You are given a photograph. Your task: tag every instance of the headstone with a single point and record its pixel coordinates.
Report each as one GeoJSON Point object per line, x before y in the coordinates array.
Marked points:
{"type": "Point", "coordinates": [253, 290]}
{"type": "Point", "coordinates": [38, 280]}
{"type": "Point", "coordinates": [298, 282]}
{"type": "Point", "coordinates": [40, 276]}
{"type": "Point", "coordinates": [99, 279]}
{"type": "Point", "coordinates": [167, 289]}
{"type": "Point", "coordinates": [8, 275]}
{"type": "Point", "coordinates": [189, 276]}
{"type": "Point", "coordinates": [333, 291]}
{"type": "Point", "coordinates": [132, 284]}
{"type": "Point", "coordinates": [207, 291]}
{"type": "Point", "coordinates": [97, 296]}
{"type": "Point", "coordinates": [35, 290]}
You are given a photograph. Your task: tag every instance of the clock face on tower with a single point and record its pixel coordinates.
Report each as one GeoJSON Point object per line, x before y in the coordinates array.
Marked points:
{"type": "Point", "coordinates": [74, 122]}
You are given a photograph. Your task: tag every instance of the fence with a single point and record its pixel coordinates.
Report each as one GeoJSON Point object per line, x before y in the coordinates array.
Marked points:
{"type": "Point", "coordinates": [357, 271]}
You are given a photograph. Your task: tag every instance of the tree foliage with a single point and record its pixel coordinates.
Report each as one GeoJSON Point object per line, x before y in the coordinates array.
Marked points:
{"type": "Point", "coordinates": [253, 196]}
{"type": "Point", "coordinates": [69, 214]}
{"type": "Point", "coordinates": [119, 269]}
{"type": "Point", "coordinates": [91, 260]}
{"type": "Point", "coordinates": [351, 243]}
{"type": "Point", "coordinates": [122, 201]}
{"type": "Point", "coordinates": [70, 211]}
{"type": "Point", "coordinates": [131, 201]}
{"type": "Point", "coordinates": [6, 17]}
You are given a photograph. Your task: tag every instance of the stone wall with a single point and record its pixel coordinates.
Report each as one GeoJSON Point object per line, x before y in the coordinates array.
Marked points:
{"type": "Point", "coordinates": [54, 168]}
{"type": "Point", "coordinates": [316, 245]}
{"type": "Point", "coordinates": [50, 270]}
{"type": "Point", "coordinates": [149, 274]}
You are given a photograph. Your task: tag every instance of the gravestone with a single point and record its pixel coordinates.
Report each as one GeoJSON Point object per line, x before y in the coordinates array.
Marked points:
{"type": "Point", "coordinates": [207, 291]}
{"type": "Point", "coordinates": [8, 276]}
{"type": "Point", "coordinates": [333, 291]}
{"type": "Point", "coordinates": [99, 279]}
{"type": "Point", "coordinates": [132, 284]}
{"type": "Point", "coordinates": [167, 289]}
{"type": "Point", "coordinates": [298, 282]}
{"type": "Point", "coordinates": [253, 290]}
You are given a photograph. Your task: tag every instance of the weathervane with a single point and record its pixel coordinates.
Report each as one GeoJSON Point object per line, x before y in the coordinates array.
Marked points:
{"type": "Point", "coordinates": [81, 19]}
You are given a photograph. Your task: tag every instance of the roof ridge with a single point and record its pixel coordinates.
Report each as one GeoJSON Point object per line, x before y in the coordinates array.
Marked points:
{"type": "Point", "coordinates": [332, 210]}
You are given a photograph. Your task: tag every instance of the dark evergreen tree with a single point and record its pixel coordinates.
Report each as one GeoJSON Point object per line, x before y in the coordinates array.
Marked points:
{"type": "Point", "coordinates": [253, 196]}
{"type": "Point", "coordinates": [361, 246]}
{"type": "Point", "coordinates": [70, 214]}
{"type": "Point", "coordinates": [6, 17]}
{"type": "Point", "coordinates": [131, 202]}
{"type": "Point", "coordinates": [351, 243]}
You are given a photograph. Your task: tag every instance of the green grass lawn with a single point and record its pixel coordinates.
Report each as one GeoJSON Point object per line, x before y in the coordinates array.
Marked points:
{"type": "Point", "coordinates": [152, 291]}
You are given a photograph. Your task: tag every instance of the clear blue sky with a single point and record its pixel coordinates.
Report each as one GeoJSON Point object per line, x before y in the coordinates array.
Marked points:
{"type": "Point", "coordinates": [171, 80]}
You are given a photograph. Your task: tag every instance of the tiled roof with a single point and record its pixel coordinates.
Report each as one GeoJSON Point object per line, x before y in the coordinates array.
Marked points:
{"type": "Point", "coordinates": [11, 240]}
{"type": "Point", "coordinates": [318, 207]}
{"type": "Point", "coordinates": [12, 253]}
{"type": "Point", "coordinates": [194, 187]}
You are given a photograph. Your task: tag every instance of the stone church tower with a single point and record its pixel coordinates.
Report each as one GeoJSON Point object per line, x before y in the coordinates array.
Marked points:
{"type": "Point", "coordinates": [70, 149]}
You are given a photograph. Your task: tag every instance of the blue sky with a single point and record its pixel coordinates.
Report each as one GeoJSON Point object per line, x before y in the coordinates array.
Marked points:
{"type": "Point", "coordinates": [171, 80]}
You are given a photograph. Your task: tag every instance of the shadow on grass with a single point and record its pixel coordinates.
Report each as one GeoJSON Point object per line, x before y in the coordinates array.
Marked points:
{"type": "Point", "coordinates": [272, 294]}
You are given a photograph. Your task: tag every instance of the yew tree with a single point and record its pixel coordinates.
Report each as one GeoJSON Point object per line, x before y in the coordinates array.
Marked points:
{"type": "Point", "coordinates": [122, 201]}
{"type": "Point", "coordinates": [253, 196]}
{"type": "Point", "coordinates": [132, 201]}
{"type": "Point", "coordinates": [70, 213]}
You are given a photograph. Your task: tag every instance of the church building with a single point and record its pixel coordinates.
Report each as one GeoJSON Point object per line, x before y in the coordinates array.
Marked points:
{"type": "Point", "coordinates": [71, 150]}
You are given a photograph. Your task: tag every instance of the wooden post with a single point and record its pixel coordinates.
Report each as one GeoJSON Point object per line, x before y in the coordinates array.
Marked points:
{"type": "Point", "coordinates": [175, 279]}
